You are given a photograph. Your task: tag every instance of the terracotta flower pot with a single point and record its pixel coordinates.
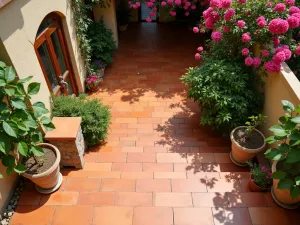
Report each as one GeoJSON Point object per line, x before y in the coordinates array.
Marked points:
{"type": "Point", "coordinates": [94, 88]}
{"type": "Point", "coordinates": [241, 154]}
{"type": "Point", "coordinates": [254, 187]}
{"type": "Point", "coordinates": [283, 196]}
{"type": "Point", "coordinates": [50, 178]}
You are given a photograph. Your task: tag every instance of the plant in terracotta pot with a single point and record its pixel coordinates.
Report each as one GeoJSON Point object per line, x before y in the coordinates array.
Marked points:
{"type": "Point", "coordinates": [98, 67]}
{"type": "Point", "coordinates": [21, 124]}
{"type": "Point", "coordinates": [247, 141]}
{"type": "Point", "coordinates": [93, 82]}
{"type": "Point", "coordinates": [260, 177]}
{"type": "Point", "coordinates": [285, 155]}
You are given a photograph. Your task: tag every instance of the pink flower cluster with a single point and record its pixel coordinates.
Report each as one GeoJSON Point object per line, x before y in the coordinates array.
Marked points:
{"type": "Point", "coordinates": [91, 79]}
{"type": "Point", "coordinates": [261, 21]}
{"type": "Point", "coordinates": [278, 26]}
{"type": "Point", "coordinates": [197, 55]}
{"type": "Point", "coordinates": [216, 36]}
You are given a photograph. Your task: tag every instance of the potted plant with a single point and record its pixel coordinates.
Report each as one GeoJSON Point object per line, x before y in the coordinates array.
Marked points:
{"type": "Point", "coordinates": [93, 82]}
{"type": "Point", "coordinates": [247, 141]}
{"type": "Point", "coordinates": [123, 15]}
{"type": "Point", "coordinates": [98, 67]}
{"type": "Point", "coordinates": [21, 147]}
{"type": "Point", "coordinates": [260, 177]}
{"type": "Point", "coordinates": [285, 155]}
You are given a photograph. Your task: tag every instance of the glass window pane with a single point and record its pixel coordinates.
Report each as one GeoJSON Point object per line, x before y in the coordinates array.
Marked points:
{"type": "Point", "coordinates": [44, 25]}
{"type": "Point", "coordinates": [44, 55]}
{"type": "Point", "coordinates": [58, 52]}
{"type": "Point", "coordinates": [70, 88]}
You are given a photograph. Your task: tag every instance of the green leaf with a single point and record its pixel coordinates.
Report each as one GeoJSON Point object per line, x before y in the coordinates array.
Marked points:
{"type": "Point", "coordinates": [24, 80]}
{"type": "Point", "coordinates": [10, 91]}
{"type": "Point", "coordinates": [297, 180]}
{"type": "Point", "coordinates": [10, 128]}
{"type": "Point", "coordinates": [278, 130]}
{"type": "Point", "coordinates": [293, 156]}
{"type": "Point", "coordinates": [10, 74]}
{"type": "Point", "coordinates": [20, 168]}
{"type": "Point", "coordinates": [8, 161]}
{"type": "Point", "coordinates": [49, 126]}
{"type": "Point", "coordinates": [285, 184]}
{"type": "Point", "coordinates": [278, 174]}
{"type": "Point", "coordinates": [273, 154]}
{"type": "Point", "coordinates": [39, 109]}
{"type": "Point", "coordinates": [288, 105]}
{"type": "Point", "coordinates": [289, 125]}
{"type": "Point", "coordinates": [4, 144]}
{"type": "Point", "coordinates": [2, 82]}
{"type": "Point", "coordinates": [45, 120]}
{"type": "Point", "coordinates": [33, 88]}
{"type": "Point", "coordinates": [295, 192]}
{"type": "Point", "coordinates": [282, 119]}
{"type": "Point", "coordinates": [297, 110]}
{"type": "Point", "coordinates": [18, 103]}
{"type": "Point", "coordinates": [37, 151]}
{"type": "Point", "coordinates": [296, 119]}
{"type": "Point", "coordinates": [23, 148]}
{"type": "Point", "coordinates": [270, 140]}
{"type": "Point", "coordinates": [31, 123]}
{"type": "Point", "coordinates": [295, 136]}
{"type": "Point", "coordinates": [9, 170]}
{"type": "Point", "coordinates": [1, 176]}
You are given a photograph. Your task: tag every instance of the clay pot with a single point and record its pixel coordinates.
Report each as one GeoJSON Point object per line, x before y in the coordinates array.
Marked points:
{"type": "Point", "coordinates": [49, 178]}
{"type": "Point", "coordinates": [283, 196]}
{"type": "Point", "coordinates": [254, 187]}
{"type": "Point", "coordinates": [94, 88]}
{"type": "Point", "coordinates": [241, 154]}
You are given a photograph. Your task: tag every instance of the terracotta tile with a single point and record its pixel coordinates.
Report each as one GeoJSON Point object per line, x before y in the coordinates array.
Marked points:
{"type": "Point", "coordinates": [82, 184]}
{"type": "Point", "coordinates": [270, 200]}
{"type": "Point", "coordinates": [33, 215]}
{"type": "Point", "coordinates": [268, 215]}
{"type": "Point", "coordinates": [60, 198]}
{"type": "Point", "coordinates": [141, 158]}
{"type": "Point", "coordinates": [169, 175]}
{"type": "Point", "coordinates": [222, 185]}
{"type": "Point", "coordinates": [155, 149]}
{"type": "Point", "coordinates": [173, 199]}
{"type": "Point", "coordinates": [160, 185]}
{"type": "Point", "coordinates": [30, 198]}
{"type": "Point", "coordinates": [133, 199]}
{"type": "Point", "coordinates": [171, 158]}
{"type": "Point", "coordinates": [244, 183]}
{"type": "Point", "coordinates": [200, 158]}
{"type": "Point", "coordinates": [96, 198]}
{"type": "Point", "coordinates": [253, 199]}
{"type": "Point", "coordinates": [293, 216]}
{"type": "Point", "coordinates": [188, 185]}
{"type": "Point", "coordinates": [90, 156]}
{"type": "Point", "coordinates": [113, 215]}
{"type": "Point", "coordinates": [152, 215]}
{"type": "Point", "coordinates": [232, 216]}
{"type": "Point", "coordinates": [137, 175]}
{"type": "Point", "coordinates": [125, 120]}
{"type": "Point", "coordinates": [117, 185]}
{"type": "Point", "coordinates": [234, 175]}
{"type": "Point", "coordinates": [127, 167]}
{"type": "Point", "coordinates": [222, 158]}
{"type": "Point", "coordinates": [193, 216]}
{"type": "Point", "coordinates": [112, 157]}
{"type": "Point", "coordinates": [103, 174]}
{"type": "Point", "coordinates": [230, 167]}
{"type": "Point", "coordinates": [210, 199]}
{"type": "Point", "coordinates": [149, 120]}
{"type": "Point", "coordinates": [157, 167]}
{"type": "Point", "coordinates": [185, 167]}
{"type": "Point", "coordinates": [132, 149]}
{"type": "Point", "coordinates": [81, 215]}
{"type": "Point", "coordinates": [203, 175]}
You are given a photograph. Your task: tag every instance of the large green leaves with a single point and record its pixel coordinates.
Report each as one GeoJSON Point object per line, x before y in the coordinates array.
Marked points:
{"type": "Point", "coordinates": [18, 103]}
{"type": "Point", "coordinates": [278, 130]}
{"type": "Point", "coordinates": [5, 144]}
{"type": "Point", "coordinates": [24, 80]}
{"type": "Point", "coordinates": [23, 148]}
{"type": "Point", "coordinates": [8, 161]}
{"type": "Point", "coordinates": [10, 74]}
{"type": "Point", "coordinates": [285, 183]}
{"type": "Point", "coordinates": [37, 150]}
{"type": "Point", "coordinates": [33, 88]}
{"type": "Point", "coordinates": [278, 174]}
{"type": "Point", "coordinates": [20, 168]}
{"type": "Point", "coordinates": [10, 128]}
{"type": "Point", "coordinates": [288, 106]}
{"type": "Point", "coordinates": [39, 109]}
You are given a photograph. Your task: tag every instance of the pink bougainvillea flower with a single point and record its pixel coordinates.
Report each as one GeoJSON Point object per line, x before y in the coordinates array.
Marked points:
{"type": "Point", "coordinates": [216, 36]}
{"type": "Point", "coordinates": [225, 4]}
{"type": "Point", "coordinates": [284, 49]}
{"type": "Point", "coordinates": [137, 4]}
{"type": "Point", "coordinates": [293, 21]}
{"type": "Point", "coordinates": [280, 7]}
{"type": "Point", "coordinates": [270, 4]}
{"type": "Point", "coordinates": [248, 61]}
{"type": "Point", "coordinates": [241, 23]}
{"type": "Point", "coordinates": [209, 23]}
{"type": "Point", "coordinates": [296, 15]}
{"type": "Point", "coordinates": [170, 2]}
{"type": "Point", "coordinates": [186, 13]}
{"type": "Point", "coordinates": [200, 49]}
{"type": "Point", "coordinates": [163, 3]}
{"type": "Point", "coordinates": [256, 62]}
{"type": "Point", "coordinates": [228, 14]}
{"type": "Point", "coordinates": [129, 2]}
{"type": "Point", "coordinates": [278, 26]}
{"type": "Point", "coordinates": [265, 53]}
{"type": "Point", "coordinates": [226, 29]}
{"type": "Point", "coordinates": [202, 31]}
{"type": "Point", "coordinates": [149, 4]}
{"type": "Point", "coordinates": [148, 20]}
{"type": "Point", "coordinates": [245, 51]}
{"type": "Point", "coordinates": [207, 13]}
{"type": "Point", "coordinates": [197, 56]}
{"type": "Point", "coordinates": [279, 57]}
{"type": "Point", "coordinates": [185, 7]}
{"type": "Point", "coordinates": [215, 16]}
{"type": "Point", "coordinates": [261, 21]}
{"type": "Point", "coordinates": [177, 2]}
{"type": "Point", "coordinates": [242, 1]}
{"type": "Point", "coordinates": [193, 7]}
{"type": "Point", "coordinates": [272, 66]}
{"type": "Point", "coordinates": [276, 41]}
{"type": "Point", "coordinates": [153, 14]}
{"type": "Point", "coordinates": [214, 3]}
{"type": "Point", "coordinates": [172, 13]}
{"type": "Point", "coordinates": [196, 30]}
{"type": "Point", "coordinates": [297, 51]}
{"type": "Point", "coordinates": [188, 4]}
{"type": "Point", "coordinates": [293, 10]}
{"type": "Point", "coordinates": [290, 2]}
{"type": "Point", "coordinates": [246, 37]}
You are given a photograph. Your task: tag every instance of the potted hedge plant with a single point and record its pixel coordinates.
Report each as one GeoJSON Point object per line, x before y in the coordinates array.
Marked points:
{"type": "Point", "coordinates": [247, 141]}
{"type": "Point", "coordinates": [93, 82]}
{"type": "Point", "coordinates": [286, 157]}
{"type": "Point", "coordinates": [21, 147]}
{"type": "Point", "coordinates": [123, 15]}
{"type": "Point", "coordinates": [260, 177]}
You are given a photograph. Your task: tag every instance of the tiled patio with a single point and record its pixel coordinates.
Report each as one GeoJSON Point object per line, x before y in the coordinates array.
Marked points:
{"type": "Point", "coordinates": [158, 166]}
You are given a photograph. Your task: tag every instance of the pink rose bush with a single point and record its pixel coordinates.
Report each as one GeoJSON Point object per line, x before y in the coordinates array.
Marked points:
{"type": "Point", "coordinates": [92, 81]}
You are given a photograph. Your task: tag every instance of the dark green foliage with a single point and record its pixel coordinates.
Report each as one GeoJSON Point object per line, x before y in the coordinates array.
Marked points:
{"type": "Point", "coordinates": [260, 175]}
{"type": "Point", "coordinates": [101, 41]}
{"type": "Point", "coordinates": [224, 92]}
{"type": "Point", "coordinates": [95, 115]}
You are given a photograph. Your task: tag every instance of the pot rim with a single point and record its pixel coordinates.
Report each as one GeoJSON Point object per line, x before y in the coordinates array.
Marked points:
{"type": "Point", "coordinates": [249, 150]}
{"type": "Point", "coordinates": [52, 168]}
{"type": "Point", "coordinates": [251, 180]}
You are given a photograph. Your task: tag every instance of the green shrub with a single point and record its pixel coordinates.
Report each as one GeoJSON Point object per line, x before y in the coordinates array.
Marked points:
{"type": "Point", "coordinates": [95, 116]}
{"type": "Point", "coordinates": [224, 91]}
{"type": "Point", "coordinates": [102, 41]}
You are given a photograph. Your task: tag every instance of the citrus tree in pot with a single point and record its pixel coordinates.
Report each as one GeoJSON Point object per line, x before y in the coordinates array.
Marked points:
{"type": "Point", "coordinates": [247, 141]}
{"type": "Point", "coordinates": [21, 123]}
{"type": "Point", "coordinates": [286, 157]}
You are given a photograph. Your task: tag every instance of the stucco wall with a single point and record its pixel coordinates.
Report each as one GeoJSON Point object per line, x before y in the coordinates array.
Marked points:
{"type": "Point", "coordinates": [19, 22]}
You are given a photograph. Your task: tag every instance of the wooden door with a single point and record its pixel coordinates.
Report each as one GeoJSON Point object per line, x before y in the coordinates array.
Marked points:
{"type": "Point", "coordinates": [50, 48]}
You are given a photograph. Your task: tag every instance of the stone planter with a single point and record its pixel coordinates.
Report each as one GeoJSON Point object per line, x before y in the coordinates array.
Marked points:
{"type": "Point", "coordinates": [50, 180]}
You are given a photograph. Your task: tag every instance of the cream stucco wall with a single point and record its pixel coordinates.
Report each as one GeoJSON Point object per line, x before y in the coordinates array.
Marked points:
{"type": "Point", "coordinates": [19, 22]}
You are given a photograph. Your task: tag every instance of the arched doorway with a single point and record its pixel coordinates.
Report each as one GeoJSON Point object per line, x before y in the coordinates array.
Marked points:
{"type": "Point", "coordinates": [51, 50]}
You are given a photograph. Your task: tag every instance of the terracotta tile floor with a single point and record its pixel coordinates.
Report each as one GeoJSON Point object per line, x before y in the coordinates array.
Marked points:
{"type": "Point", "coordinates": [158, 166]}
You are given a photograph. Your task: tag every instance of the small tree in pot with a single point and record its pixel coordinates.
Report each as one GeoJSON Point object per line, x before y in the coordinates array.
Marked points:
{"type": "Point", "coordinates": [286, 157]}
{"type": "Point", "coordinates": [247, 141]}
{"type": "Point", "coordinates": [20, 132]}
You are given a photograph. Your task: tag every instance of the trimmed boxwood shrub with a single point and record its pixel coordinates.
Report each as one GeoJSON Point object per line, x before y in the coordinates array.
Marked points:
{"type": "Point", "coordinates": [95, 116]}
